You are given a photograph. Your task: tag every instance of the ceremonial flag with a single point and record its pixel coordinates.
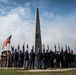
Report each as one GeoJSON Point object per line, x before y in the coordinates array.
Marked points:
{"type": "Point", "coordinates": [23, 47]}
{"type": "Point", "coordinates": [55, 49]}
{"type": "Point", "coordinates": [18, 46]}
{"type": "Point", "coordinates": [48, 47]}
{"type": "Point", "coordinates": [66, 47]}
{"type": "Point", "coordinates": [59, 47]}
{"type": "Point", "coordinates": [8, 40]}
{"type": "Point", "coordinates": [43, 48]}
{"type": "Point", "coordinates": [55, 46]}
{"type": "Point", "coordinates": [33, 47]}
{"type": "Point", "coordinates": [12, 48]}
{"type": "Point", "coordinates": [27, 46]}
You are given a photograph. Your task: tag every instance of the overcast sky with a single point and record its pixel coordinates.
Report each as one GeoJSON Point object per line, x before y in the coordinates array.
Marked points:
{"type": "Point", "coordinates": [57, 21]}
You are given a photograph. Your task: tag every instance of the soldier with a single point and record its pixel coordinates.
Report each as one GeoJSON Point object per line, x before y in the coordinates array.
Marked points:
{"type": "Point", "coordinates": [51, 53]}
{"type": "Point", "coordinates": [75, 59]}
{"type": "Point", "coordinates": [61, 58]}
{"type": "Point", "coordinates": [16, 58]}
{"type": "Point", "coordinates": [57, 59]}
{"type": "Point", "coordinates": [39, 59]}
{"type": "Point", "coordinates": [32, 59]}
{"type": "Point", "coordinates": [13, 55]}
{"type": "Point", "coordinates": [21, 57]}
{"type": "Point", "coordinates": [72, 58]}
{"type": "Point", "coordinates": [65, 58]}
{"type": "Point", "coordinates": [26, 57]}
{"type": "Point", "coordinates": [46, 59]}
{"type": "Point", "coordinates": [10, 60]}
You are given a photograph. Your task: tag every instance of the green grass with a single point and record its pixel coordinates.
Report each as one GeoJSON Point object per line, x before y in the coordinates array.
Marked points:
{"type": "Point", "coordinates": [15, 72]}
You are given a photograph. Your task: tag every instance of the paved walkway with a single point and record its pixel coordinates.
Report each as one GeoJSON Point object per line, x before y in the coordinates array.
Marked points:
{"type": "Point", "coordinates": [47, 70]}
{"type": "Point", "coordinates": [42, 70]}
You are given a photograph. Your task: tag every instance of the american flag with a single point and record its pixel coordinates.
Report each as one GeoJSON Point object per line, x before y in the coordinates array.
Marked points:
{"type": "Point", "coordinates": [6, 42]}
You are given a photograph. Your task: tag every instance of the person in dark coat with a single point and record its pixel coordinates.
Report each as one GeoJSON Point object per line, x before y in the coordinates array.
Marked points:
{"type": "Point", "coordinates": [72, 58]}
{"type": "Point", "coordinates": [46, 59]}
{"type": "Point", "coordinates": [65, 58]}
{"type": "Point", "coordinates": [16, 58]}
{"type": "Point", "coordinates": [57, 59]}
{"type": "Point", "coordinates": [26, 57]}
{"type": "Point", "coordinates": [75, 60]}
{"type": "Point", "coordinates": [32, 59]}
{"type": "Point", "coordinates": [10, 60]}
{"type": "Point", "coordinates": [39, 59]}
{"type": "Point", "coordinates": [51, 59]}
{"type": "Point", "coordinates": [61, 58]}
{"type": "Point", "coordinates": [20, 60]}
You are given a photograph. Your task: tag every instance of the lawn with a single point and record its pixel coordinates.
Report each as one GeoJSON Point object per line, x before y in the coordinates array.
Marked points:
{"type": "Point", "coordinates": [16, 72]}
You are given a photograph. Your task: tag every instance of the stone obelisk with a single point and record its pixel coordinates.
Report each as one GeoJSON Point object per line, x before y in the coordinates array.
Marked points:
{"type": "Point", "coordinates": [38, 42]}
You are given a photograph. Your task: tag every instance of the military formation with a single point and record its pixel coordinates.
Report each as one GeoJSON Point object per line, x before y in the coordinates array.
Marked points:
{"type": "Point", "coordinates": [43, 59]}
{"type": "Point", "coordinates": [40, 58]}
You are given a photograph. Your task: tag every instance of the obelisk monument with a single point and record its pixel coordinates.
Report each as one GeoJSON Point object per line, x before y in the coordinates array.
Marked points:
{"type": "Point", "coordinates": [38, 42]}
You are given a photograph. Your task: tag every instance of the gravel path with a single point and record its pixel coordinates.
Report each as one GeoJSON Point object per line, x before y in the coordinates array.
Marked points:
{"type": "Point", "coordinates": [42, 70]}
{"type": "Point", "coordinates": [48, 70]}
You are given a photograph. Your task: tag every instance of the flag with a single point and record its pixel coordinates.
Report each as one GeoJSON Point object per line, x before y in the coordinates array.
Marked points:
{"type": "Point", "coordinates": [55, 46]}
{"type": "Point", "coordinates": [66, 47]}
{"type": "Point", "coordinates": [48, 47]}
{"type": "Point", "coordinates": [12, 48]}
{"type": "Point", "coordinates": [23, 47]}
{"type": "Point", "coordinates": [27, 46]}
{"type": "Point", "coordinates": [18, 46]}
{"type": "Point", "coordinates": [55, 49]}
{"type": "Point", "coordinates": [59, 47]}
{"type": "Point", "coordinates": [8, 40]}
{"type": "Point", "coordinates": [43, 48]}
{"type": "Point", "coordinates": [33, 47]}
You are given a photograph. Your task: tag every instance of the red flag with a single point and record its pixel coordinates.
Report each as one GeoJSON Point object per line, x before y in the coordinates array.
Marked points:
{"type": "Point", "coordinates": [6, 42]}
